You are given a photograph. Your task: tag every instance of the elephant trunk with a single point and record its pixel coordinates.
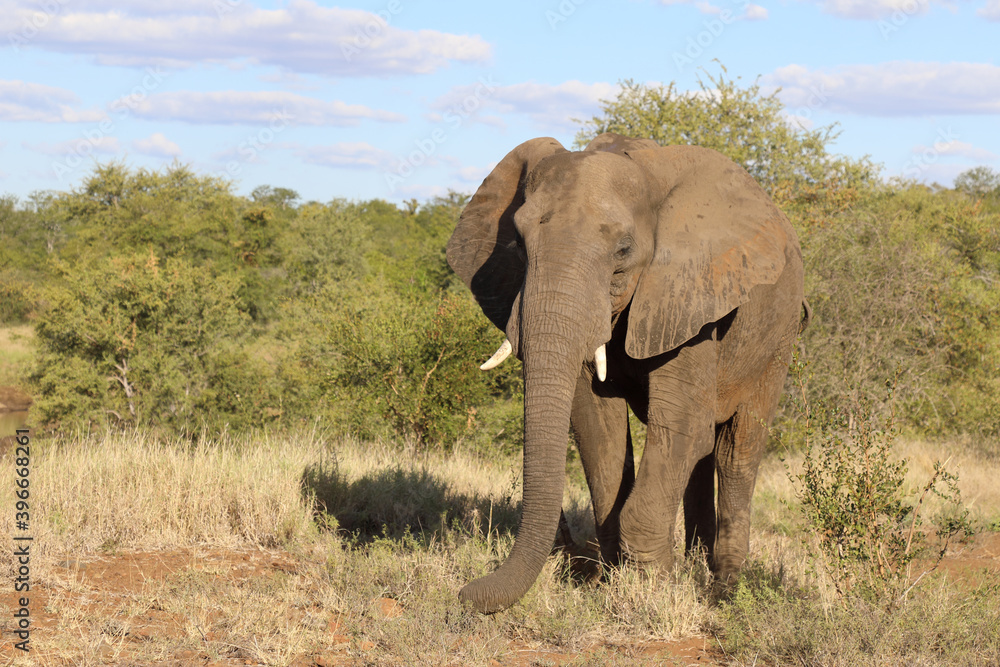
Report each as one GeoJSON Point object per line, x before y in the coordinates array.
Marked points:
{"type": "Point", "coordinates": [553, 352]}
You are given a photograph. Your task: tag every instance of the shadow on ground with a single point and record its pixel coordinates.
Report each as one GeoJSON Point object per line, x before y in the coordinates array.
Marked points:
{"type": "Point", "coordinates": [393, 502]}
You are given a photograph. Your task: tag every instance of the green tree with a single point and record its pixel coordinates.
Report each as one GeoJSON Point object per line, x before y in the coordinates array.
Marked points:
{"type": "Point", "coordinates": [905, 280]}
{"type": "Point", "coordinates": [323, 243]}
{"type": "Point", "coordinates": [134, 340]}
{"type": "Point", "coordinates": [740, 122]}
{"type": "Point", "coordinates": [979, 182]}
{"type": "Point", "coordinates": [176, 211]}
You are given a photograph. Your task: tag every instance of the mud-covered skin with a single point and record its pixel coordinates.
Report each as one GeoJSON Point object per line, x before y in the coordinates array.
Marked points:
{"type": "Point", "coordinates": [676, 260]}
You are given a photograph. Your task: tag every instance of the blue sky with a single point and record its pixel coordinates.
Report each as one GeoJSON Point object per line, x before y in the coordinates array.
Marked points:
{"type": "Point", "coordinates": [400, 99]}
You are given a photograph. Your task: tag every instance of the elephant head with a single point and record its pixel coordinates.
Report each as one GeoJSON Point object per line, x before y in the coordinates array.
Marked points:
{"type": "Point", "coordinates": [556, 244]}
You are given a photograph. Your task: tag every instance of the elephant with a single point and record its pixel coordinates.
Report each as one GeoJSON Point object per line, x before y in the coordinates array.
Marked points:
{"type": "Point", "coordinates": [630, 275]}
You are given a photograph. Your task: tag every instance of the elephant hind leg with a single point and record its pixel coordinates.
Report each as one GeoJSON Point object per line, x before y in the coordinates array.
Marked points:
{"type": "Point", "coordinates": [739, 449]}
{"type": "Point", "coordinates": [699, 508]}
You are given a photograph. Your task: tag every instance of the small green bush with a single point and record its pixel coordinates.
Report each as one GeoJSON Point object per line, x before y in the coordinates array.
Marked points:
{"type": "Point", "coordinates": [854, 502]}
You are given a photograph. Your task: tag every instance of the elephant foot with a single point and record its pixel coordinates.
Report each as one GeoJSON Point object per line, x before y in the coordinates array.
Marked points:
{"type": "Point", "coordinates": [723, 587]}
{"type": "Point", "coordinates": [650, 567]}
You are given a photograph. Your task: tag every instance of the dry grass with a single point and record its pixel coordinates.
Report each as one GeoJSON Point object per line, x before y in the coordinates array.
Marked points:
{"type": "Point", "coordinates": [267, 575]}
{"type": "Point", "coordinates": [977, 475]}
{"type": "Point", "coordinates": [16, 350]}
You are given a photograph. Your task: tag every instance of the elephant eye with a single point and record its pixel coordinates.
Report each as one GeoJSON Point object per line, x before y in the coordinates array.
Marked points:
{"type": "Point", "coordinates": [624, 248]}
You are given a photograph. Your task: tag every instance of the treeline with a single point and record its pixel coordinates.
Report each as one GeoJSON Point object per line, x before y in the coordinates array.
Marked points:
{"type": "Point", "coordinates": [164, 299]}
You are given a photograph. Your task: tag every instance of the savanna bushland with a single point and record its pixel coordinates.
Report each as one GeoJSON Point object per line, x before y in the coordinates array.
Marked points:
{"type": "Point", "coordinates": [305, 376]}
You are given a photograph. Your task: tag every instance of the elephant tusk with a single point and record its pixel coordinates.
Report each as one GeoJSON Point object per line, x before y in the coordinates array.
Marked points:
{"type": "Point", "coordinates": [497, 357]}
{"type": "Point", "coordinates": [601, 361]}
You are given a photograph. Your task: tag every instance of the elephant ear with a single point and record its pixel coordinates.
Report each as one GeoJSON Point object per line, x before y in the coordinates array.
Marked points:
{"type": "Point", "coordinates": [717, 235]}
{"type": "Point", "coordinates": [616, 143]}
{"type": "Point", "coordinates": [482, 249]}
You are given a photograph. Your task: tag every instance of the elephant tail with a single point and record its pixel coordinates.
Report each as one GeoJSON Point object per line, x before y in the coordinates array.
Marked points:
{"type": "Point", "coordinates": [807, 313]}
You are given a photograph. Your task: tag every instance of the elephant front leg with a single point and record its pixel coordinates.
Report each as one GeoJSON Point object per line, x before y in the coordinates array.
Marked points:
{"type": "Point", "coordinates": [600, 426]}
{"type": "Point", "coordinates": [650, 514]}
{"type": "Point", "coordinates": [680, 436]}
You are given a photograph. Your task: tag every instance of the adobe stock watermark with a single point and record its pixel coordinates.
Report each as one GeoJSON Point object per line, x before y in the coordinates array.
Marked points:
{"type": "Point", "coordinates": [120, 110]}
{"type": "Point", "coordinates": [901, 17]}
{"type": "Point", "coordinates": [257, 143]}
{"type": "Point", "coordinates": [713, 28]}
{"type": "Point", "coordinates": [365, 36]}
{"type": "Point", "coordinates": [923, 159]}
{"type": "Point", "coordinates": [30, 27]}
{"type": "Point", "coordinates": [562, 12]}
{"type": "Point", "coordinates": [455, 116]}
{"type": "Point", "coordinates": [223, 7]}
{"type": "Point", "coordinates": [817, 98]}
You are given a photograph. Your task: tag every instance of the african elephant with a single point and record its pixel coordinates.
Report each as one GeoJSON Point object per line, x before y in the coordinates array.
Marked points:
{"type": "Point", "coordinates": [629, 274]}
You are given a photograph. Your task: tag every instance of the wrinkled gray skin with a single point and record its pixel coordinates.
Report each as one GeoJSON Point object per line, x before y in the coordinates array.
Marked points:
{"type": "Point", "coordinates": [678, 261]}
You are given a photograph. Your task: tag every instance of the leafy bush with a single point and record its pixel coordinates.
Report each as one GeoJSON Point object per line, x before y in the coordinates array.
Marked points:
{"type": "Point", "coordinates": [909, 281]}
{"type": "Point", "coordinates": [135, 342]}
{"type": "Point", "coordinates": [17, 299]}
{"type": "Point", "coordinates": [853, 499]}
{"type": "Point", "coordinates": [401, 364]}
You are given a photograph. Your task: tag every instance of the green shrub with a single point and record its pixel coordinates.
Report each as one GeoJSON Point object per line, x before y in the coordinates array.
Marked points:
{"type": "Point", "coordinates": [17, 299]}
{"type": "Point", "coordinates": [905, 280]}
{"type": "Point", "coordinates": [853, 499]}
{"type": "Point", "coordinates": [399, 363]}
{"type": "Point", "coordinates": [132, 342]}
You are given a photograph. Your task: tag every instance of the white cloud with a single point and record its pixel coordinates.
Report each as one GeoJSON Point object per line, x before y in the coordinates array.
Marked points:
{"type": "Point", "coordinates": [156, 145]}
{"type": "Point", "coordinates": [751, 12]}
{"type": "Point", "coordinates": [876, 9]}
{"type": "Point", "coordinates": [799, 122]}
{"type": "Point", "coordinates": [898, 88]}
{"type": "Point", "coordinates": [349, 154]}
{"type": "Point", "coordinates": [251, 150]}
{"type": "Point", "coordinates": [991, 12]}
{"type": "Point", "coordinates": [250, 107]}
{"type": "Point", "coordinates": [941, 173]}
{"type": "Point", "coordinates": [302, 36]}
{"type": "Point", "coordinates": [107, 145]}
{"type": "Point", "coordinates": [869, 10]}
{"type": "Point", "coordinates": [34, 102]}
{"type": "Point", "coordinates": [957, 148]}
{"type": "Point", "coordinates": [551, 107]}
{"type": "Point", "coordinates": [703, 7]}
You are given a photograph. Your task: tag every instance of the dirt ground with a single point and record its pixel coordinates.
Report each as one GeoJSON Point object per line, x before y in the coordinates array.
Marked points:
{"type": "Point", "coordinates": [103, 585]}
{"type": "Point", "coordinates": [101, 588]}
